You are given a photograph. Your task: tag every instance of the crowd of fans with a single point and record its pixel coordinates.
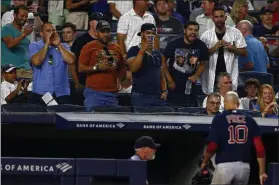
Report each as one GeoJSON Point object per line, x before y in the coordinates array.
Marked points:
{"type": "Point", "coordinates": [212, 44]}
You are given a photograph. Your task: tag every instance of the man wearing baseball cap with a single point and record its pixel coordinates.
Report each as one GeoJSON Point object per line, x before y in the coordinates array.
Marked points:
{"type": "Point", "coordinates": [149, 85]}
{"type": "Point", "coordinates": [84, 39]}
{"type": "Point", "coordinates": [11, 90]}
{"type": "Point", "coordinates": [145, 149]}
{"type": "Point", "coordinates": [265, 28]}
{"type": "Point", "coordinates": [102, 62]}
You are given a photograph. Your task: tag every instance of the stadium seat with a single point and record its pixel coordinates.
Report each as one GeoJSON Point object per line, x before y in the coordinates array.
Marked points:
{"type": "Point", "coordinates": [65, 108]}
{"type": "Point", "coordinates": [112, 109]}
{"type": "Point", "coordinates": [124, 99]}
{"type": "Point", "coordinates": [200, 99]}
{"type": "Point", "coordinates": [192, 110]}
{"type": "Point", "coordinates": [22, 107]}
{"type": "Point", "coordinates": [153, 109]}
{"type": "Point", "coordinates": [252, 113]}
{"type": "Point", "coordinates": [241, 91]}
{"type": "Point", "coordinates": [264, 78]}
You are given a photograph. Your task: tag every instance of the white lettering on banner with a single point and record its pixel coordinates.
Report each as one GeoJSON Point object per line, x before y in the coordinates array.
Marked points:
{"type": "Point", "coordinates": [28, 168]}
{"type": "Point", "coordinates": [35, 168]}
{"type": "Point", "coordinates": [102, 125]}
{"type": "Point", "coordinates": [166, 127]}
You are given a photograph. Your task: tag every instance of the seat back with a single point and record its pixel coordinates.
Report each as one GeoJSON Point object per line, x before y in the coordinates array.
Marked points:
{"type": "Point", "coordinates": [65, 108]}
{"type": "Point", "coordinates": [22, 107]}
{"type": "Point", "coordinates": [118, 109]}
{"type": "Point", "coordinates": [264, 78]}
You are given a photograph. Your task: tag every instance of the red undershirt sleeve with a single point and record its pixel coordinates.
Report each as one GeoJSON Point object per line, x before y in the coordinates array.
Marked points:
{"type": "Point", "coordinates": [259, 147]}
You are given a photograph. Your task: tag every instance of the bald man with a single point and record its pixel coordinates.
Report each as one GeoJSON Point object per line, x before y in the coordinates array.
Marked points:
{"type": "Point", "coordinates": [257, 59]}
{"type": "Point", "coordinates": [231, 137]}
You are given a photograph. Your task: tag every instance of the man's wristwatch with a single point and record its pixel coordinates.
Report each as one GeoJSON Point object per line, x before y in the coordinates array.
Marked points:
{"type": "Point", "coordinates": [96, 68]}
{"type": "Point", "coordinates": [165, 91]}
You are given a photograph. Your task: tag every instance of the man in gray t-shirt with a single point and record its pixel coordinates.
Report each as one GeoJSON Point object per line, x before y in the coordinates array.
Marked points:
{"type": "Point", "coordinates": [145, 149]}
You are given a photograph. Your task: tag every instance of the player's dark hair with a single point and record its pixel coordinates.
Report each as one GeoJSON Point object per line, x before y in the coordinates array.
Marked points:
{"type": "Point", "coordinates": [190, 23]}
{"type": "Point", "coordinates": [222, 75]}
{"type": "Point", "coordinates": [45, 23]}
{"type": "Point", "coordinates": [218, 8]}
{"type": "Point", "coordinates": [214, 94]}
{"type": "Point", "coordinates": [21, 7]}
{"type": "Point", "coordinates": [70, 25]}
{"type": "Point", "coordinates": [156, 1]}
{"type": "Point", "coordinates": [253, 81]}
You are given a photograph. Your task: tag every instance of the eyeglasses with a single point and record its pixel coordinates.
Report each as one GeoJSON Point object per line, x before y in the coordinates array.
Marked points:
{"type": "Point", "coordinates": [212, 103]}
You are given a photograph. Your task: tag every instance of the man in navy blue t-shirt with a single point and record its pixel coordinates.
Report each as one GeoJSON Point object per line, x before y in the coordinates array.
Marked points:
{"type": "Point", "coordinates": [149, 85]}
{"type": "Point", "coordinates": [184, 61]}
{"type": "Point", "coordinates": [231, 137]}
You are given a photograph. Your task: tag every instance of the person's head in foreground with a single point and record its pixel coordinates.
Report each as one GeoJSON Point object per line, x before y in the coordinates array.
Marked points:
{"type": "Point", "coordinates": [146, 148]}
{"type": "Point", "coordinates": [213, 103]}
{"type": "Point", "coordinates": [231, 101]}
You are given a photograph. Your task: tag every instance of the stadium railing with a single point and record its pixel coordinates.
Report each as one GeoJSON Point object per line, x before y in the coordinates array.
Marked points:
{"type": "Point", "coordinates": [70, 171]}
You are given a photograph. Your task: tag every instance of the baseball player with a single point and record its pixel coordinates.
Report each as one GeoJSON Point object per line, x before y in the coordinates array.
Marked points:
{"type": "Point", "coordinates": [231, 137]}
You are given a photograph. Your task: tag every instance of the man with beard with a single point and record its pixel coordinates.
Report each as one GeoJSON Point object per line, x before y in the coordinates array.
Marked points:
{"type": "Point", "coordinates": [149, 85]}
{"type": "Point", "coordinates": [145, 149]}
{"type": "Point", "coordinates": [83, 39]}
{"type": "Point", "coordinates": [224, 44]}
{"type": "Point", "coordinates": [186, 56]}
{"type": "Point", "coordinates": [103, 63]}
{"type": "Point", "coordinates": [14, 43]}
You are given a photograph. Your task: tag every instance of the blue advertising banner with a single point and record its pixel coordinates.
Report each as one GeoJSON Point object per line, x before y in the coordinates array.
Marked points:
{"type": "Point", "coordinates": [88, 121]}
{"type": "Point", "coordinates": [38, 166]}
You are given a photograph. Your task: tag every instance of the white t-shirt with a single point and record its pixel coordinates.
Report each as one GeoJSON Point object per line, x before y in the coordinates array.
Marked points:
{"type": "Point", "coordinates": [130, 24]}
{"type": "Point", "coordinates": [6, 89]}
{"type": "Point", "coordinates": [122, 6]}
{"type": "Point", "coordinates": [246, 102]}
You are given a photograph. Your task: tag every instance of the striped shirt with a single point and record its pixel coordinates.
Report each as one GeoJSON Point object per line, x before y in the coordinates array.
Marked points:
{"type": "Point", "coordinates": [235, 37]}
{"type": "Point", "coordinates": [207, 23]}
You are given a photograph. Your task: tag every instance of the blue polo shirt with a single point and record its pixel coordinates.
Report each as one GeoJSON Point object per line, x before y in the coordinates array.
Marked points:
{"type": "Point", "coordinates": [147, 79]}
{"type": "Point", "coordinates": [256, 54]}
{"type": "Point", "coordinates": [50, 77]}
{"type": "Point", "coordinates": [16, 55]}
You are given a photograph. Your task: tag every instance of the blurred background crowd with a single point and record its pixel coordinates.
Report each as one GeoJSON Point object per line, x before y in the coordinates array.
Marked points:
{"type": "Point", "coordinates": [141, 53]}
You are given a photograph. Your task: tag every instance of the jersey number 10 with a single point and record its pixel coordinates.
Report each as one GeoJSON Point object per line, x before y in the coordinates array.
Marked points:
{"type": "Point", "coordinates": [238, 134]}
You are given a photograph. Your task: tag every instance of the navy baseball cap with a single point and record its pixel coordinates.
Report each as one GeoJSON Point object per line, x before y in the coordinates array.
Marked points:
{"type": "Point", "coordinates": [97, 16]}
{"type": "Point", "coordinates": [265, 10]}
{"type": "Point", "coordinates": [146, 141]}
{"type": "Point", "coordinates": [103, 25]}
{"type": "Point", "coordinates": [147, 26]}
{"type": "Point", "coordinates": [8, 68]}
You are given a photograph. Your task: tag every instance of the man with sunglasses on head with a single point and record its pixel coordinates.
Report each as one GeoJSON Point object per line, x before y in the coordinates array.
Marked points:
{"type": "Point", "coordinates": [102, 62]}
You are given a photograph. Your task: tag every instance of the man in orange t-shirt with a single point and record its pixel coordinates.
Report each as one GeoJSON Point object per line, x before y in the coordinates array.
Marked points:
{"type": "Point", "coordinates": [103, 63]}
